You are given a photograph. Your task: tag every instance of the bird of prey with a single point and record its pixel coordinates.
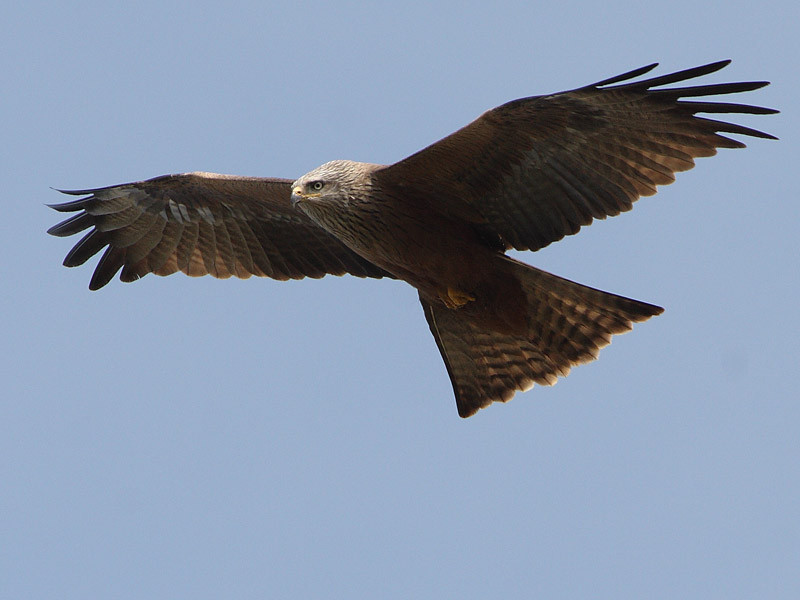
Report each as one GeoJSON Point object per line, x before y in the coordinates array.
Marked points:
{"type": "Point", "coordinates": [520, 176]}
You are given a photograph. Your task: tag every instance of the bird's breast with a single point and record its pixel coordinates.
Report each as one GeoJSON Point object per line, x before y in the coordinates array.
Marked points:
{"type": "Point", "coordinates": [416, 245]}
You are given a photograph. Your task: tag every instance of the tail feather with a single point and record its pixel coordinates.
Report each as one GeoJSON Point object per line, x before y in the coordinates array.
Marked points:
{"type": "Point", "coordinates": [567, 324]}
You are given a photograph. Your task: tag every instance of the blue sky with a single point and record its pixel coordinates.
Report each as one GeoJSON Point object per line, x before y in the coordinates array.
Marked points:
{"type": "Point", "coordinates": [194, 438]}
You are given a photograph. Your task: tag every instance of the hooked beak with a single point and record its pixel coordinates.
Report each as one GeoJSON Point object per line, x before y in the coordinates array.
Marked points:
{"type": "Point", "coordinates": [297, 195]}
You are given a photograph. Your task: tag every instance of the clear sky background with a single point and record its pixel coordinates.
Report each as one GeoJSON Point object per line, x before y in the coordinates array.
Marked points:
{"type": "Point", "coordinates": [195, 438]}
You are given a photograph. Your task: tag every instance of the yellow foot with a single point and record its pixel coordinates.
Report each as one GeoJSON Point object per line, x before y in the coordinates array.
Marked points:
{"type": "Point", "coordinates": [455, 298]}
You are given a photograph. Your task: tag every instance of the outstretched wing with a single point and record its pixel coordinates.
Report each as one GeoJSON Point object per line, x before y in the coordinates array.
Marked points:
{"type": "Point", "coordinates": [536, 169]}
{"type": "Point", "coordinates": [202, 224]}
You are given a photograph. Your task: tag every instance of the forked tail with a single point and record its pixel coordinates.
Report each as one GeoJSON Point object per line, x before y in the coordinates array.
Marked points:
{"type": "Point", "coordinates": [567, 324]}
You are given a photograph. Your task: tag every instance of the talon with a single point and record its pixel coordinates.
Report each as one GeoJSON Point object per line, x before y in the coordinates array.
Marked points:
{"type": "Point", "coordinates": [455, 298]}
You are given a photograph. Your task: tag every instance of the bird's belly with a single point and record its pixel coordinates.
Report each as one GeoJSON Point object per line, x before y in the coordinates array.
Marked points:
{"type": "Point", "coordinates": [424, 249]}
{"type": "Point", "coordinates": [432, 260]}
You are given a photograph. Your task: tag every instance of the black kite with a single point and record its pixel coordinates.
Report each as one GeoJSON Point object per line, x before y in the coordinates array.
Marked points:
{"type": "Point", "coordinates": [521, 176]}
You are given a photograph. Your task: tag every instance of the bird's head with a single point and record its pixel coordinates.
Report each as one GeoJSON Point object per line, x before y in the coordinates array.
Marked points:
{"type": "Point", "coordinates": [323, 183]}
{"type": "Point", "coordinates": [335, 181]}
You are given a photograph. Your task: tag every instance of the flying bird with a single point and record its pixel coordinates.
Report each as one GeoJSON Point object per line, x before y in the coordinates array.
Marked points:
{"type": "Point", "coordinates": [521, 176]}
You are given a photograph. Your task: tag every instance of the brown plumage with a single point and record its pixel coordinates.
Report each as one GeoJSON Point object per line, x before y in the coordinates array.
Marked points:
{"type": "Point", "coordinates": [521, 176]}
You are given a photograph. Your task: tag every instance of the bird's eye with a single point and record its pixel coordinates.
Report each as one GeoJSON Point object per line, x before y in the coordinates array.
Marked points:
{"type": "Point", "coordinates": [316, 185]}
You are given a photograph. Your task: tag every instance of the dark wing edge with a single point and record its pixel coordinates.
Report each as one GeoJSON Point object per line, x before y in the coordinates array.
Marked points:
{"type": "Point", "coordinates": [691, 108]}
{"type": "Point", "coordinates": [202, 224]}
{"type": "Point", "coordinates": [537, 169]}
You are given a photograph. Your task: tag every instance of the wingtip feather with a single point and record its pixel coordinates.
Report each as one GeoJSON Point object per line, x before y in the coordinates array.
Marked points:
{"type": "Point", "coordinates": [624, 76]}
{"type": "Point", "coordinates": [71, 206]}
{"type": "Point", "coordinates": [71, 226]}
{"type": "Point", "coordinates": [75, 192]}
